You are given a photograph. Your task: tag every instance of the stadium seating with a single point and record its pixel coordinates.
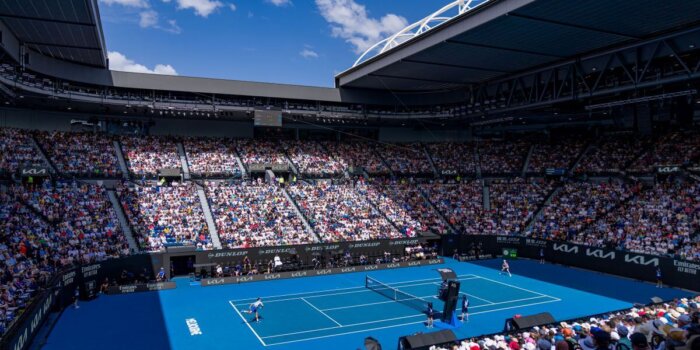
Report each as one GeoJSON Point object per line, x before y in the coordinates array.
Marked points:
{"type": "Point", "coordinates": [253, 214]}
{"type": "Point", "coordinates": [357, 154]}
{"type": "Point", "coordinates": [16, 150]}
{"type": "Point", "coordinates": [81, 154]}
{"type": "Point", "coordinates": [164, 216]}
{"type": "Point", "coordinates": [452, 157]}
{"type": "Point", "coordinates": [312, 159]}
{"type": "Point", "coordinates": [212, 157]}
{"type": "Point", "coordinates": [342, 212]}
{"type": "Point", "coordinates": [146, 155]}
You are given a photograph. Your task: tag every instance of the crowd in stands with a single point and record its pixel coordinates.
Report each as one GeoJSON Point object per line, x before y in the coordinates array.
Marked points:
{"type": "Point", "coordinates": [674, 325]}
{"type": "Point", "coordinates": [146, 155]}
{"type": "Point", "coordinates": [408, 158]}
{"type": "Point", "coordinates": [164, 216]}
{"type": "Point", "coordinates": [253, 214]}
{"type": "Point", "coordinates": [81, 214]}
{"type": "Point", "coordinates": [676, 148]}
{"type": "Point", "coordinates": [663, 219]}
{"type": "Point", "coordinates": [409, 199]}
{"type": "Point", "coordinates": [212, 157]}
{"type": "Point", "coordinates": [612, 154]}
{"type": "Point", "coordinates": [555, 155]}
{"type": "Point", "coordinates": [340, 212]}
{"type": "Point", "coordinates": [513, 203]}
{"type": "Point", "coordinates": [81, 154]}
{"type": "Point", "coordinates": [261, 151]}
{"type": "Point", "coordinates": [312, 159]}
{"type": "Point", "coordinates": [460, 203]}
{"type": "Point", "coordinates": [394, 210]}
{"type": "Point", "coordinates": [576, 205]}
{"type": "Point", "coordinates": [500, 157]}
{"type": "Point", "coordinates": [46, 227]}
{"type": "Point", "coordinates": [453, 157]}
{"type": "Point", "coordinates": [17, 151]}
{"type": "Point", "coordinates": [357, 154]}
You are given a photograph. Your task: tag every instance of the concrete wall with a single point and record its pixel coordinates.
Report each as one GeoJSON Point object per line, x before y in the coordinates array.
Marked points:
{"type": "Point", "coordinates": [422, 135]}
{"type": "Point", "coordinates": [50, 121]}
{"type": "Point", "coordinates": [203, 128]}
{"type": "Point", "coordinates": [37, 120]}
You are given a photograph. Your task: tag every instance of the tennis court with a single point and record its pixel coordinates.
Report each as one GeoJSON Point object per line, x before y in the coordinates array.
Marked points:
{"type": "Point", "coordinates": [338, 311]}
{"type": "Point", "coordinates": [334, 312]}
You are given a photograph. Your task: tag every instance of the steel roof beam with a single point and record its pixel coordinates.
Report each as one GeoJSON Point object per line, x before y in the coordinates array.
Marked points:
{"type": "Point", "coordinates": [529, 52]}
{"type": "Point", "coordinates": [456, 66]}
{"type": "Point", "coordinates": [50, 20]}
{"type": "Point", "coordinates": [571, 25]}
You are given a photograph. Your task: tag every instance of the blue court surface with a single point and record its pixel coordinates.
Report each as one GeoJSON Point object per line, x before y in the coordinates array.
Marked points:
{"type": "Point", "coordinates": [338, 311]}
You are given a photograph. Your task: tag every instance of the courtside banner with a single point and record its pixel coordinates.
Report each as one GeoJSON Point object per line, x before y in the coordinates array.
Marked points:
{"type": "Point", "coordinates": [206, 282]}
{"type": "Point", "coordinates": [141, 287]}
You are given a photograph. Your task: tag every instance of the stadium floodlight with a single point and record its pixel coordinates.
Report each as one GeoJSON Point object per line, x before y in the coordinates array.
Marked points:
{"type": "Point", "coordinates": [437, 18]}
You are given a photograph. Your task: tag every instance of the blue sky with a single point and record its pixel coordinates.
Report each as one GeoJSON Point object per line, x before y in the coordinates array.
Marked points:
{"type": "Point", "coordinates": [302, 42]}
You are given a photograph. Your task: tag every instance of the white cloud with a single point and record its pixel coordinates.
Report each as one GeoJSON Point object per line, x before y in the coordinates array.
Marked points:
{"type": "Point", "coordinates": [232, 7]}
{"type": "Point", "coordinates": [118, 61]}
{"type": "Point", "coordinates": [201, 7]}
{"type": "Point", "coordinates": [350, 21]}
{"type": "Point", "coordinates": [129, 3]}
{"type": "Point", "coordinates": [308, 53]}
{"type": "Point", "coordinates": [172, 27]}
{"type": "Point", "coordinates": [148, 19]}
{"type": "Point", "coordinates": [280, 2]}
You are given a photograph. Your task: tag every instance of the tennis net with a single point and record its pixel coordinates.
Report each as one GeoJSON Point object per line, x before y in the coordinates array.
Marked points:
{"type": "Point", "coordinates": [396, 295]}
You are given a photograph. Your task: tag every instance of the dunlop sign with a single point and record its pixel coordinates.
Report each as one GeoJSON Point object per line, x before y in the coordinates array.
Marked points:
{"type": "Point", "coordinates": [206, 282]}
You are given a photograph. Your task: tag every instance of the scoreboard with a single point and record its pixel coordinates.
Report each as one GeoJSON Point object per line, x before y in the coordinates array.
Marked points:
{"type": "Point", "coordinates": [268, 117]}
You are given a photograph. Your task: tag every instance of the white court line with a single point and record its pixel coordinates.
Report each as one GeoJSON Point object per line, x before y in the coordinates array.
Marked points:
{"type": "Point", "coordinates": [422, 315]}
{"type": "Point", "coordinates": [363, 290]}
{"type": "Point", "coordinates": [348, 288]}
{"type": "Point", "coordinates": [248, 324]}
{"type": "Point", "coordinates": [378, 328]}
{"type": "Point", "coordinates": [512, 286]}
{"type": "Point", "coordinates": [322, 313]}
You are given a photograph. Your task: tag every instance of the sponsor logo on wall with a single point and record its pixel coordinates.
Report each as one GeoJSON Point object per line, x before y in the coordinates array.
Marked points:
{"type": "Point", "coordinates": [687, 267]}
{"type": "Point", "coordinates": [565, 248]}
{"type": "Point", "coordinates": [253, 278]}
{"type": "Point", "coordinates": [600, 254]}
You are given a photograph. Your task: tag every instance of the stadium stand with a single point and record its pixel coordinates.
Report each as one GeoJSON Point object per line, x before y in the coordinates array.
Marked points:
{"type": "Point", "coordinates": [312, 159]}
{"type": "Point", "coordinates": [81, 154]}
{"type": "Point", "coordinates": [453, 157]}
{"type": "Point", "coordinates": [164, 216]}
{"type": "Point", "coordinates": [145, 156]}
{"type": "Point", "coordinates": [253, 214]}
{"type": "Point", "coordinates": [357, 154]}
{"type": "Point", "coordinates": [342, 212]}
{"type": "Point", "coordinates": [17, 151]}
{"type": "Point", "coordinates": [212, 157]}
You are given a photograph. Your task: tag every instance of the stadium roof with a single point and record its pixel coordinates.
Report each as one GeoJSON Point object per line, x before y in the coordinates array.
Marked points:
{"type": "Point", "coordinates": [503, 37]}
{"type": "Point", "coordinates": [69, 30]}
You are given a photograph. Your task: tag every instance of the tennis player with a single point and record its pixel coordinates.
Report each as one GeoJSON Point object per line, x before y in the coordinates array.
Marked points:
{"type": "Point", "coordinates": [505, 268]}
{"type": "Point", "coordinates": [659, 279]}
{"type": "Point", "coordinates": [431, 315]}
{"type": "Point", "coordinates": [255, 307]}
{"type": "Point", "coordinates": [465, 308]}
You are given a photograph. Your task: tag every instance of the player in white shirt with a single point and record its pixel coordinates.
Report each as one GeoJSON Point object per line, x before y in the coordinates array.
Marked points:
{"type": "Point", "coordinates": [505, 268]}
{"type": "Point", "coordinates": [255, 307]}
